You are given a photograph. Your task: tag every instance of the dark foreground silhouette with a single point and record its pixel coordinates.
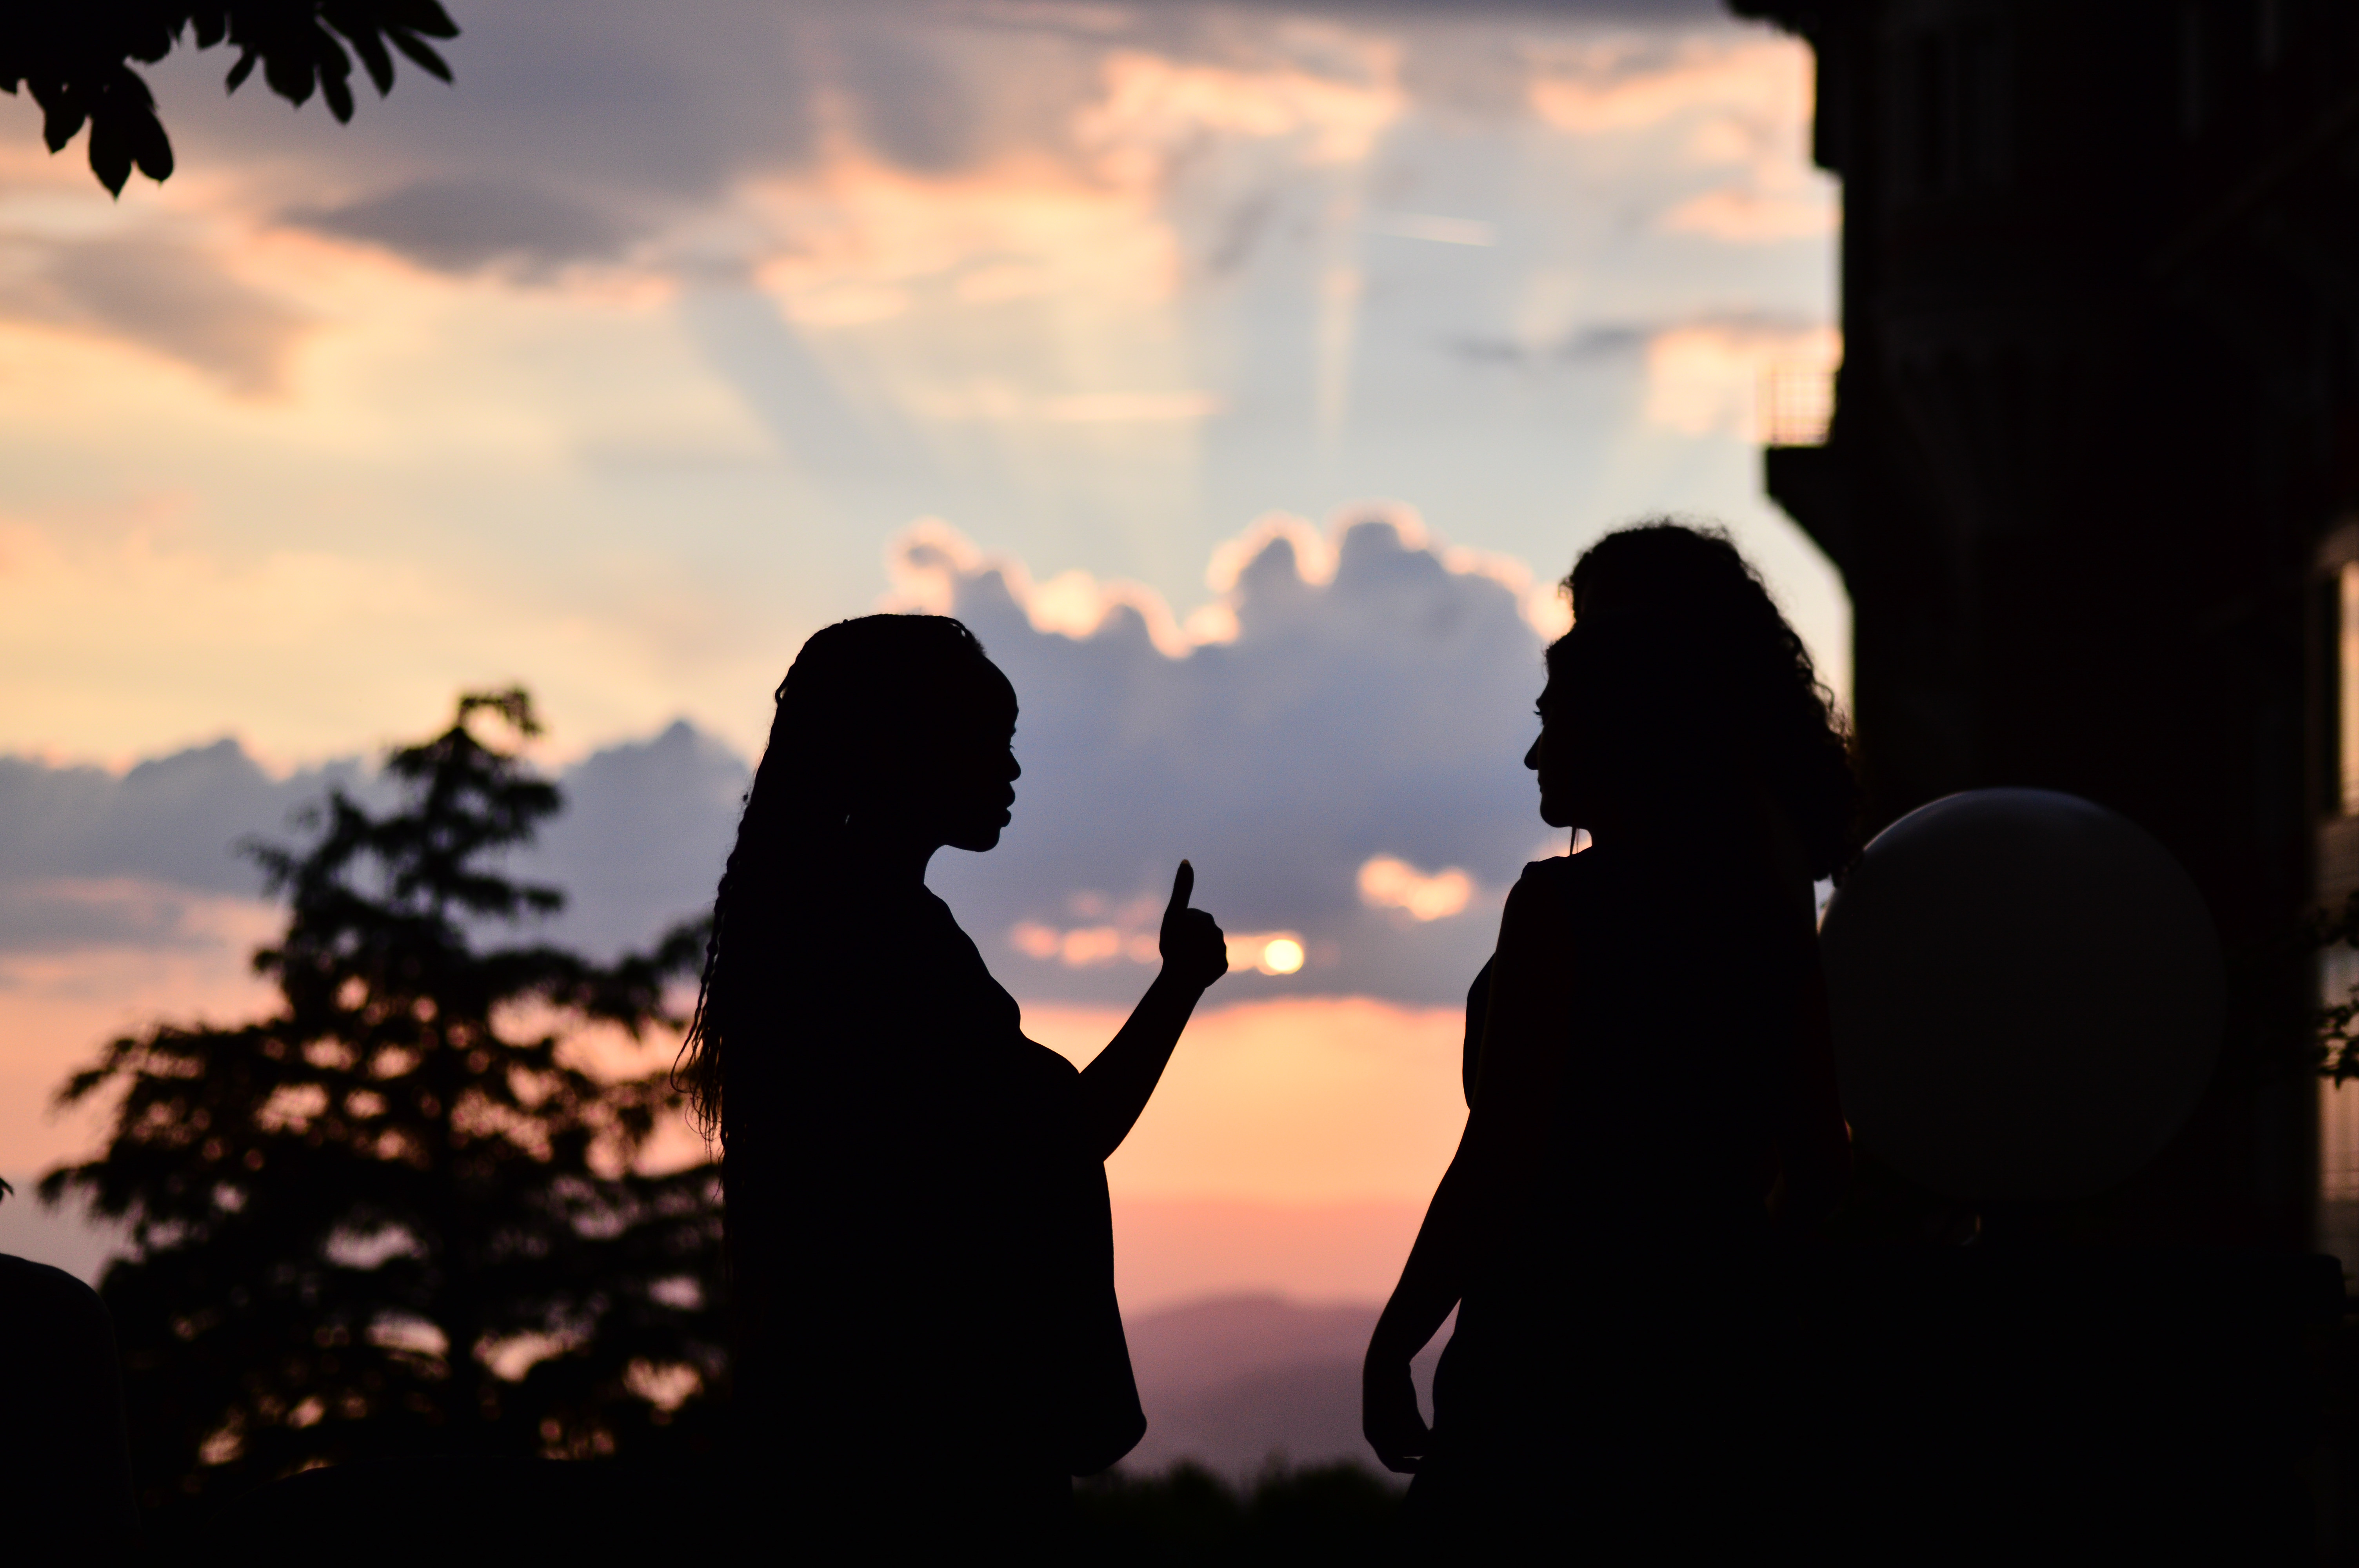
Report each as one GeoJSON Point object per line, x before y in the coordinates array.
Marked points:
{"type": "Point", "coordinates": [921, 1254]}
{"type": "Point", "coordinates": [65, 1459]}
{"type": "Point", "coordinates": [417, 1511]}
{"type": "Point", "coordinates": [1657, 1357]}
{"type": "Point", "coordinates": [1287, 1518]}
{"type": "Point", "coordinates": [1650, 1084]}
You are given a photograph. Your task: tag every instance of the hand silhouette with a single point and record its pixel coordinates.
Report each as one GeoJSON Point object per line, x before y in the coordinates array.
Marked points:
{"type": "Point", "coordinates": [1195, 953]}
{"type": "Point", "coordinates": [1389, 1418]}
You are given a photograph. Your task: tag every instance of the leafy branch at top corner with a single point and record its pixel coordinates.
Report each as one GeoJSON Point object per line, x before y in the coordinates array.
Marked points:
{"type": "Point", "coordinates": [75, 60]}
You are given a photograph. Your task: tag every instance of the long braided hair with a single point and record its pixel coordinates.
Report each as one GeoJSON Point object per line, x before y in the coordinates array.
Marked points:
{"type": "Point", "coordinates": [855, 697]}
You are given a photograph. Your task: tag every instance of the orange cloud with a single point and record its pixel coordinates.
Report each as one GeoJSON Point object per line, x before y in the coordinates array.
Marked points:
{"type": "Point", "coordinates": [1156, 109]}
{"type": "Point", "coordinates": [1618, 85]}
{"type": "Point", "coordinates": [1741, 101]}
{"type": "Point", "coordinates": [864, 240]}
{"type": "Point", "coordinates": [1386, 883]}
{"type": "Point", "coordinates": [1708, 377]}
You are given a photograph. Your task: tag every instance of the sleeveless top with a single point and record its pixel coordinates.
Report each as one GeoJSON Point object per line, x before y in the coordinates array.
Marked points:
{"type": "Point", "coordinates": [921, 1248]}
{"type": "Point", "coordinates": [1679, 992]}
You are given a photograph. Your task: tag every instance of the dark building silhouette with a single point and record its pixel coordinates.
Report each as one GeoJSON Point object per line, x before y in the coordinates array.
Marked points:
{"type": "Point", "coordinates": [2091, 467]}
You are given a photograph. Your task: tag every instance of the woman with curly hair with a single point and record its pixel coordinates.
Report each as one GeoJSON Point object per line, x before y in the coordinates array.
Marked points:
{"type": "Point", "coordinates": [927, 1345]}
{"type": "Point", "coordinates": [1650, 1082]}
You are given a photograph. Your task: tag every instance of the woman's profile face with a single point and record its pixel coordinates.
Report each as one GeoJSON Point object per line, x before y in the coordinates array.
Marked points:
{"type": "Point", "coordinates": [966, 776]}
{"type": "Point", "coordinates": [1553, 757]}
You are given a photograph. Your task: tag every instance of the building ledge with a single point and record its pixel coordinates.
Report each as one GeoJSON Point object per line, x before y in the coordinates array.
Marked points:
{"type": "Point", "coordinates": [1809, 483]}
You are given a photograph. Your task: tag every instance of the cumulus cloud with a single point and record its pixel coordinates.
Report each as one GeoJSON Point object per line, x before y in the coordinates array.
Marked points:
{"type": "Point", "coordinates": [1366, 700]}
{"type": "Point", "coordinates": [149, 859]}
{"type": "Point", "coordinates": [175, 819]}
{"type": "Point", "coordinates": [1339, 752]}
{"type": "Point", "coordinates": [645, 830]}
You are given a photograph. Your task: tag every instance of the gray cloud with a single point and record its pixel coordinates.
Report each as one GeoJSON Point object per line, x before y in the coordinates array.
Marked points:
{"type": "Point", "coordinates": [609, 119]}
{"type": "Point", "coordinates": [1382, 713]}
{"type": "Point", "coordinates": [88, 858]}
{"type": "Point", "coordinates": [1632, 13]}
{"type": "Point", "coordinates": [914, 106]}
{"type": "Point", "coordinates": [462, 224]}
{"type": "Point", "coordinates": [68, 913]}
{"type": "Point", "coordinates": [646, 828]}
{"type": "Point", "coordinates": [667, 101]}
{"type": "Point", "coordinates": [177, 819]}
{"type": "Point", "coordinates": [170, 299]}
{"type": "Point", "coordinates": [1588, 346]}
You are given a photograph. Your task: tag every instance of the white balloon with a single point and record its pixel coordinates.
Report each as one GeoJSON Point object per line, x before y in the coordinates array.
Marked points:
{"type": "Point", "coordinates": [2025, 992]}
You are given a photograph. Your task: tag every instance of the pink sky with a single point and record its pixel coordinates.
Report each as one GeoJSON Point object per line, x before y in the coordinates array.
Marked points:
{"type": "Point", "coordinates": [647, 348]}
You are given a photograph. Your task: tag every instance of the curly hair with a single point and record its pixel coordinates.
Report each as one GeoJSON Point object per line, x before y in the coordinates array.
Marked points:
{"type": "Point", "coordinates": [1706, 608]}
{"type": "Point", "coordinates": [857, 697]}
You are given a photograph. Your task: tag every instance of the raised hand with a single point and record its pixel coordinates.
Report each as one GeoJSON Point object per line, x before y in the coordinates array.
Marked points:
{"type": "Point", "coordinates": [1115, 1085]}
{"type": "Point", "coordinates": [1195, 953]}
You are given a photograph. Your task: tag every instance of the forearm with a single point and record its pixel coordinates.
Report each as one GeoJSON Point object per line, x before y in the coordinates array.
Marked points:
{"type": "Point", "coordinates": [1506, 1131]}
{"type": "Point", "coordinates": [1435, 1276]}
{"type": "Point", "coordinates": [1116, 1085]}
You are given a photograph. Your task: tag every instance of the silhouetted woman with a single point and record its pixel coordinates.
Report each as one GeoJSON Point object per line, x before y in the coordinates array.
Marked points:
{"type": "Point", "coordinates": [927, 1343]}
{"type": "Point", "coordinates": [1652, 1091]}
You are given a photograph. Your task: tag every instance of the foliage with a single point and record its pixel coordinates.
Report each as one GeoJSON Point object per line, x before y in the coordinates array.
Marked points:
{"type": "Point", "coordinates": [1329, 1513]}
{"type": "Point", "coordinates": [74, 58]}
{"type": "Point", "coordinates": [398, 1217]}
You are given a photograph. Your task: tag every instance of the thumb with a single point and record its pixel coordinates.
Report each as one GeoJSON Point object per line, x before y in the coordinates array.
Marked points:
{"type": "Point", "coordinates": [1181, 886]}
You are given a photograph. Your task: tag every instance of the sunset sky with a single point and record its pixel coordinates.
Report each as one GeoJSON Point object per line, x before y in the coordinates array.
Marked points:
{"type": "Point", "coordinates": [1246, 373]}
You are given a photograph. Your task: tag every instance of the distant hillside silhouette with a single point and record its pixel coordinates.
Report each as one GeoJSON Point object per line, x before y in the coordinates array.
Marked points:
{"type": "Point", "coordinates": [1235, 1381]}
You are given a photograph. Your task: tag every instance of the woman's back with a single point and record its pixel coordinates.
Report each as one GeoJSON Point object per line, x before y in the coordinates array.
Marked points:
{"type": "Point", "coordinates": [1674, 1000]}
{"type": "Point", "coordinates": [1684, 976]}
{"type": "Point", "coordinates": [1596, 1369]}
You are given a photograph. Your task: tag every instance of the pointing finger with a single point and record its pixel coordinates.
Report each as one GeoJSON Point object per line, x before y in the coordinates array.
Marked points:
{"type": "Point", "coordinates": [1181, 886]}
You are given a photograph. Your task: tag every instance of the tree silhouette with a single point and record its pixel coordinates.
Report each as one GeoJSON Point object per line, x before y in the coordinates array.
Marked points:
{"type": "Point", "coordinates": [399, 1217]}
{"type": "Point", "coordinates": [73, 56]}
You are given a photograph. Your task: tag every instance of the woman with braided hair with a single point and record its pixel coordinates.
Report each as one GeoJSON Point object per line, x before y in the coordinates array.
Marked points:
{"type": "Point", "coordinates": [927, 1345]}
